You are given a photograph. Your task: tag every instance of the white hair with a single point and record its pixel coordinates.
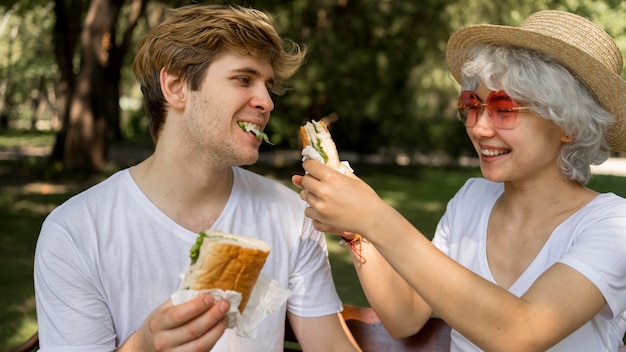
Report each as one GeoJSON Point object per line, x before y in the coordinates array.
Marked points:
{"type": "Point", "coordinates": [551, 91]}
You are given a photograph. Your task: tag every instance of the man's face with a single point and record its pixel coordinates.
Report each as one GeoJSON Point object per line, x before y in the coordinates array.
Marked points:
{"type": "Point", "coordinates": [235, 89]}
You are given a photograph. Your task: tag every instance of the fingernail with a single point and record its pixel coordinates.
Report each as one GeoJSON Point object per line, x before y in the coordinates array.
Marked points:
{"type": "Point", "coordinates": [207, 300]}
{"type": "Point", "coordinates": [223, 306]}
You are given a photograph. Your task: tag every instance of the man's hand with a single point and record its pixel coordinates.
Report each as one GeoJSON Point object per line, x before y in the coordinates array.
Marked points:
{"type": "Point", "coordinates": [195, 325]}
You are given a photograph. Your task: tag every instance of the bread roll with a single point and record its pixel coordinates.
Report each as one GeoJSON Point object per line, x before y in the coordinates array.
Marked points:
{"type": "Point", "coordinates": [226, 261]}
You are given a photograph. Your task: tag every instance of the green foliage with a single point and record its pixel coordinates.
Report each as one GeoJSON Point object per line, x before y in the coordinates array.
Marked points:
{"type": "Point", "coordinates": [379, 65]}
{"type": "Point", "coordinates": [27, 66]}
{"type": "Point", "coordinates": [23, 138]}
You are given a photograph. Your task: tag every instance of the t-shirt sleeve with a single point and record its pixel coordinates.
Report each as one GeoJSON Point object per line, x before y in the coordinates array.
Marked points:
{"type": "Point", "coordinates": [599, 252]}
{"type": "Point", "coordinates": [313, 290]}
{"type": "Point", "coordinates": [71, 313]}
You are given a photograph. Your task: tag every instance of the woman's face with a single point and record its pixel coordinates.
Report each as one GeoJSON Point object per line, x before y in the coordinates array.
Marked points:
{"type": "Point", "coordinates": [527, 151]}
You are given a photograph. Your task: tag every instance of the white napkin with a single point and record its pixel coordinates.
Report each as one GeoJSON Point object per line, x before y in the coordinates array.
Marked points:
{"type": "Point", "coordinates": [310, 153]}
{"type": "Point", "coordinates": [266, 299]}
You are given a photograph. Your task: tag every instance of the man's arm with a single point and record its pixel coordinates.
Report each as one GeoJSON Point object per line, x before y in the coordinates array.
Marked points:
{"type": "Point", "coordinates": [325, 333]}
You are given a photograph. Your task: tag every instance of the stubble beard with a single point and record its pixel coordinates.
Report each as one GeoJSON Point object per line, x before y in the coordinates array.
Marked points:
{"type": "Point", "coordinates": [203, 129]}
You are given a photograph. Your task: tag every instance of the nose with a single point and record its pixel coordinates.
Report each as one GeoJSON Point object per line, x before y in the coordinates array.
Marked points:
{"type": "Point", "coordinates": [483, 126]}
{"type": "Point", "coordinates": [262, 99]}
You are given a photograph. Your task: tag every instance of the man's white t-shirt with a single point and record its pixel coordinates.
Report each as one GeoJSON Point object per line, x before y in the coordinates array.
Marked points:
{"type": "Point", "coordinates": [592, 241]}
{"type": "Point", "coordinates": [106, 258]}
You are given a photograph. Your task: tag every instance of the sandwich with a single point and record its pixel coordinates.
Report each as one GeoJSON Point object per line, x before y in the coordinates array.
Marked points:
{"type": "Point", "coordinates": [316, 139]}
{"type": "Point", "coordinates": [226, 261]}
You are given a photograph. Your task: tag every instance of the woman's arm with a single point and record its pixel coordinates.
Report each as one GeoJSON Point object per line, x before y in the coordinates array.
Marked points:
{"type": "Point", "coordinates": [485, 313]}
{"type": "Point", "coordinates": [401, 310]}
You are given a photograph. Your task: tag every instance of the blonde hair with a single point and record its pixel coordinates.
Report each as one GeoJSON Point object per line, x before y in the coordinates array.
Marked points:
{"type": "Point", "coordinates": [196, 35]}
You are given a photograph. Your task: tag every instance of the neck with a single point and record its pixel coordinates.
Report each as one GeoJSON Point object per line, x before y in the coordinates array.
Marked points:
{"type": "Point", "coordinates": [541, 198]}
{"type": "Point", "coordinates": [191, 195]}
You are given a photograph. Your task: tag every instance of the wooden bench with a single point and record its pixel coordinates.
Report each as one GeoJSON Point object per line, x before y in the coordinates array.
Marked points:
{"type": "Point", "coordinates": [372, 336]}
{"type": "Point", "coordinates": [30, 345]}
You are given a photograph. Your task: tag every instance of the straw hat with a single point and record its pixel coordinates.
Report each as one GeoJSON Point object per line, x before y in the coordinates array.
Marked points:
{"type": "Point", "coordinates": [578, 44]}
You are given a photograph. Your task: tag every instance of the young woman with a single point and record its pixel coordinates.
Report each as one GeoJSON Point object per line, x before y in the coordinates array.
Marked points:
{"type": "Point", "coordinates": [526, 258]}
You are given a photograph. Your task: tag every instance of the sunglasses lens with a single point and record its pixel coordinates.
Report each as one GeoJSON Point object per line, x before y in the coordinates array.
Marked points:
{"type": "Point", "coordinates": [469, 108]}
{"type": "Point", "coordinates": [502, 109]}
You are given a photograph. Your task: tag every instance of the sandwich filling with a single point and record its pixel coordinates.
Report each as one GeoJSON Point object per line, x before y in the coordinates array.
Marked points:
{"type": "Point", "coordinates": [315, 135]}
{"type": "Point", "coordinates": [255, 130]}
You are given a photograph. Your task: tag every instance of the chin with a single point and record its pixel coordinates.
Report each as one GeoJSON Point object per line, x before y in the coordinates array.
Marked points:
{"type": "Point", "coordinates": [491, 176]}
{"type": "Point", "coordinates": [249, 159]}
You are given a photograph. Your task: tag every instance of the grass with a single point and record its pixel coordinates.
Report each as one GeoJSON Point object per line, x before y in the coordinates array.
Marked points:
{"type": "Point", "coordinates": [28, 193]}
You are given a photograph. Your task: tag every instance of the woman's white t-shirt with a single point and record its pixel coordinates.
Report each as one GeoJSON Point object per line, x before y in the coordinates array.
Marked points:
{"type": "Point", "coordinates": [592, 241]}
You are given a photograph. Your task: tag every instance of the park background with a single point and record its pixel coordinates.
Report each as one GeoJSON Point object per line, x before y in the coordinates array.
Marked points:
{"type": "Point", "coordinates": [71, 112]}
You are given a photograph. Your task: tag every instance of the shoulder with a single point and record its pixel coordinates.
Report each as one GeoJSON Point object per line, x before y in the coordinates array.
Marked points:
{"type": "Point", "coordinates": [604, 206]}
{"type": "Point", "coordinates": [96, 195]}
{"type": "Point", "coordinates": [606, 211]}
{"type": "Point", "coordinates": [608, 199]}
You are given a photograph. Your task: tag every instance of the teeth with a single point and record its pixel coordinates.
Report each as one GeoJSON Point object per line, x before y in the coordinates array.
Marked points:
{"type": "Point", "coordinates": [493, 152]}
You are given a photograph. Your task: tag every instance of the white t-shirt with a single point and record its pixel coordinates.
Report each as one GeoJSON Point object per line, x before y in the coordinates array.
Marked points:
{"type": "Point", "coordinates": [106, 258]}
{"type": "Point", "coordinates": [592, 241]}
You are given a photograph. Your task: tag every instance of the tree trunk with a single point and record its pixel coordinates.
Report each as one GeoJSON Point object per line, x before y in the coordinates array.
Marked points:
{"type": "Point", "coordinates": [65, 37]}
{"type": "Point", "coordinates": [85, 140]}
{"type": "Point", "coordinates": [91, 116]}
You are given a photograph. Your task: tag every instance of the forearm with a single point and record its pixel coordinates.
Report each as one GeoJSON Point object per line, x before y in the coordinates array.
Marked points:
{"type": "Point", "coordinates": [396, 303]}
{"type": "Point", "coordinates": [337, 336]}
{"type": "Point", "coordinates": [132, 344]}
{"type": "Point", "coordinates": [480, 310]}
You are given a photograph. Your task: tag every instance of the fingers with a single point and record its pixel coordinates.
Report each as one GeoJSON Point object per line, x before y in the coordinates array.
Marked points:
{"type": "Point", "coordinates": [315, 168]}
{"type": "Point", "coordinates": [206, 329]}
{"type": "Point", "coordinates": [307, 196]}
{"type": "Point", "coordinates": [208, 340]}
{"type": "Point", "coordinates": [207, 320]}
{"type": "Point", "coordinates": [328, 193]}
{"type": "Point", "coordinates": [296, 180]}
{"type": "Point", "coordinates": [185, 312]}
{"type": "Point", "coordinates": [200, 322]}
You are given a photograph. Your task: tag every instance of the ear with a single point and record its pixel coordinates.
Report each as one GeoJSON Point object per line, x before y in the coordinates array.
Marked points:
{"type": "Point", "coordinates": [173, 88]}
{"type": "Point", "coordinates": [566, 138]}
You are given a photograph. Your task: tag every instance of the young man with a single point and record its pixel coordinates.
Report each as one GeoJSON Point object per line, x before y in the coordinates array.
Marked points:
{"type": "Point", "coordinates": [108, 260]}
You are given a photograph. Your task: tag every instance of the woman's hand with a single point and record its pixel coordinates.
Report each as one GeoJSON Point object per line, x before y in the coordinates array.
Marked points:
{"type": "Point", "coordinates": [339, 204]}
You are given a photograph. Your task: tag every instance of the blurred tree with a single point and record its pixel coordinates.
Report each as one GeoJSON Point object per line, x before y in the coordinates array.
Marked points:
{"type": "Point", "coordinates": [4, 82]}
{"type": "Point", "coordinates": [27, 68]}
{"type": "Point", "coordinates": [90, 90]}
{"type": "Point", "coordinates": [375, 67]}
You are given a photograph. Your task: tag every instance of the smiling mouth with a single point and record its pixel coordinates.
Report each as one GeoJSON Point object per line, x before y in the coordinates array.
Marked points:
{"type": "Point", "coordinates": [492, 152]}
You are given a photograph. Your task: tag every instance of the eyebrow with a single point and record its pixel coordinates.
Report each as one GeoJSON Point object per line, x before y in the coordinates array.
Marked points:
{"type": "Point", "coordinates": [253, 72]}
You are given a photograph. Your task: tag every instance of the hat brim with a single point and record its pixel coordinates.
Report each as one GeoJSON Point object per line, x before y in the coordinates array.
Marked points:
{"type": "Point", "coordinates": [608, 88]}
